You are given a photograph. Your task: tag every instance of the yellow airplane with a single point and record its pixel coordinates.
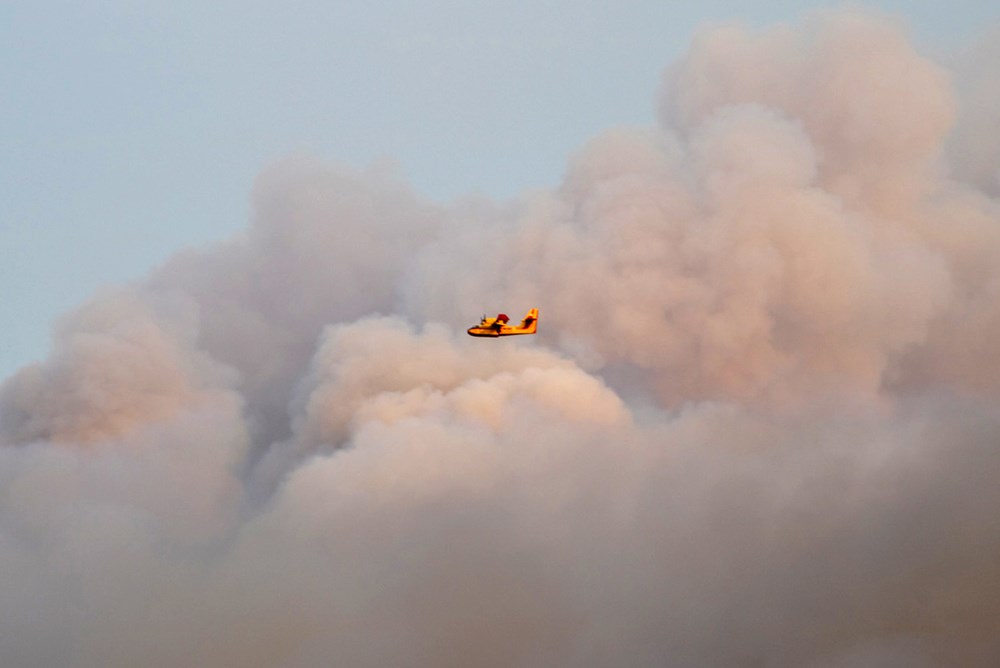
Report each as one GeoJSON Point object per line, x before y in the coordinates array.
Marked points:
{"type": "Point", "coordinates": [498, 326]}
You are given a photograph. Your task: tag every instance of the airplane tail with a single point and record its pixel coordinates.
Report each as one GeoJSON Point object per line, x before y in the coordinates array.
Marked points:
{"type": "Point", "coordinates": [530, 321]}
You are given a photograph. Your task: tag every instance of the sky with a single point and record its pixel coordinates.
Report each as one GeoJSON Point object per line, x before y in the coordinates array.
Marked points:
{"type": "Point", "coordinates": [758, 421]}
{"type": "Point", "coordinates": [132, 130]}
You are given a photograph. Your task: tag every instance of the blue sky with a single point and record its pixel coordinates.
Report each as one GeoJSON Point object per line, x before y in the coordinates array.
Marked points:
{"type": "Point", "coordinates": [133, 129]}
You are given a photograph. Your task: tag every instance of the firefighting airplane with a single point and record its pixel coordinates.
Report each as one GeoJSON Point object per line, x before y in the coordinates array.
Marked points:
{"type": "Point", "coordinates": [498, 326]}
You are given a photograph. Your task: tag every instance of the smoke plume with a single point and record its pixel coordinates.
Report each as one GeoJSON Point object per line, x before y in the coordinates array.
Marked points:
{"type": "Point", "coordinates": [759, 425]}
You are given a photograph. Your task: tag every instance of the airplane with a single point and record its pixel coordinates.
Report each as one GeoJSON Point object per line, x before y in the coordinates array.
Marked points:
{"type": "Point", "coordinates": [498, 326]}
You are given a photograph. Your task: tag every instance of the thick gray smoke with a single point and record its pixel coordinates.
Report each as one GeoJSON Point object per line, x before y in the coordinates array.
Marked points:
{"type": "Point", "coordinates": [760, 423]}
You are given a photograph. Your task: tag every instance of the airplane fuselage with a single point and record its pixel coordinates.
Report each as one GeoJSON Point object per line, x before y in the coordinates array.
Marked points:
{"type": "Point", "coordinates": [498, 330]}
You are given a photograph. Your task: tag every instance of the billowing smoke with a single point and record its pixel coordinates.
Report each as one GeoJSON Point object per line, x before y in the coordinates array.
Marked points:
{"type": "Point", "coordinates": [759, 425]}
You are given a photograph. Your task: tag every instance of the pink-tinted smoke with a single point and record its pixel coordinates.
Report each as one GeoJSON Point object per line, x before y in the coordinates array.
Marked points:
{"type": "Point", "coordinates": [759, 425]}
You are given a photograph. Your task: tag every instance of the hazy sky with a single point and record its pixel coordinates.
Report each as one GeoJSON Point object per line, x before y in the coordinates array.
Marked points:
{"type": "Point", "coordinates": [131, 130]}
{"type": "Point", "coordinates": [774, 443]}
